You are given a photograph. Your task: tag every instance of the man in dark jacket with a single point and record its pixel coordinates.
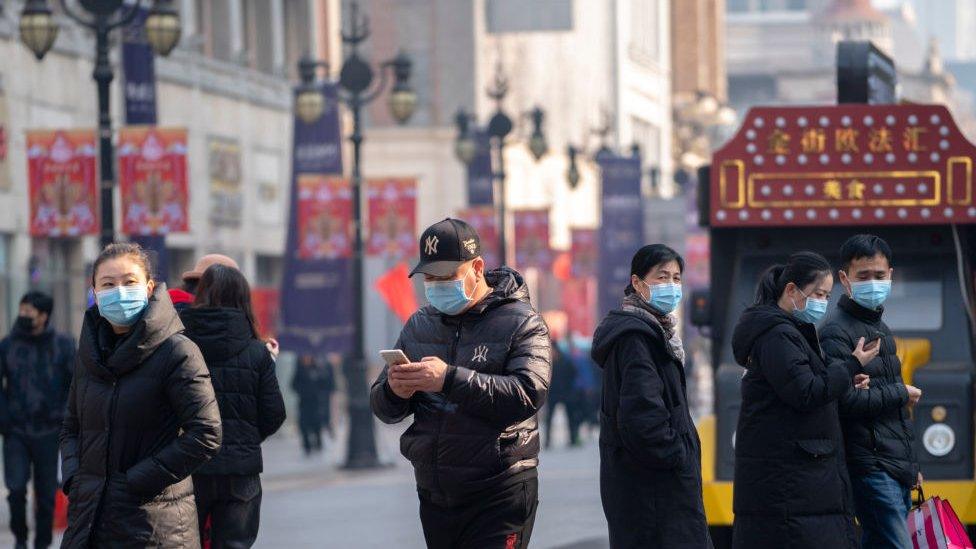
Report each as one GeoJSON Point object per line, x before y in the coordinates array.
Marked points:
{"type": "Point", "coordinates": [314, 383]}
{"type": "Point", "coordinates": [482, 373]}
{"type": "Point", "coordinates": [35, 370]}
{"type": "Point", "coordinates": [878, 429]}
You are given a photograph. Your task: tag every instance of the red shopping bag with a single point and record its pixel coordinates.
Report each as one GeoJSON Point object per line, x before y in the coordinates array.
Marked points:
{"type": "Point", "coordinates": [933, 524]}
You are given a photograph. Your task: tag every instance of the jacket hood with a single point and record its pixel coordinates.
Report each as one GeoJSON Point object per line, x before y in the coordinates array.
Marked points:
{"type": "Point", "coordinates": [753, 324]}
{"type": "Point", "coordinates": [616, 324]}
{"type": "Point", "coordinates": [219, 332]}
{"type": "Point", "coordinates": [159, 322]}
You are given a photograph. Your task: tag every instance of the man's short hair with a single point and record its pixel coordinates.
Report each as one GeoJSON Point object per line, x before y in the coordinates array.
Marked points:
{"type": "Point", "coordinates": [39, 300]}
{"type": "Point", "coordinates": [863, 245]}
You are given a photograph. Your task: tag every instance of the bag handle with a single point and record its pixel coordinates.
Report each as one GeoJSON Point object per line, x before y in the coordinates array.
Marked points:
{"type": "Point", "coordinates": [921, 497]}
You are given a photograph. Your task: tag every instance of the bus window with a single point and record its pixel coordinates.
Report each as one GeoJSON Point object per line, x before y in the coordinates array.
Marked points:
{"type": "Point", "coordinates": [916, 300]}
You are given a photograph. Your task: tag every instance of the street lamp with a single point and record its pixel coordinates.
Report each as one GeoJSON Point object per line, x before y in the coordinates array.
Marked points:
{"type": "Point", "coordinates": [38, 32]}
{"type": "Point", "coordinates": [500, 125]}
{"type": "Point", "coordinates": [355, 82]}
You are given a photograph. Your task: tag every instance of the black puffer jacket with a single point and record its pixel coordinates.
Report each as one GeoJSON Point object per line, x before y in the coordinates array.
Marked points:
{"type": "Point", "coordinates": [36, 374]}
{"type": "Point", "coordinates": [650, 454]}
{"type": "Point", "coordinates": [791, 483]}
{"type": "Point", "coordinates": [142, 416]}
{"type": "Point", "coordinates": [480, 433]}
{"type": "Point", "coordinates": [877, 429]}
{"type": "Point", "coordinates": [243, 376]}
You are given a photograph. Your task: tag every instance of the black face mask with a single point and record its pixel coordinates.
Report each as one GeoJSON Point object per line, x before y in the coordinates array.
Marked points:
{"type": "Point", "coordinates": [24, 324]}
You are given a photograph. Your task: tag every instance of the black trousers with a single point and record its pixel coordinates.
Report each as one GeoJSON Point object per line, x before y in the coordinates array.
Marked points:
{"type": "Point", "coordinates": [232, 503]}
{"type": "Point", "coordinates": [21, 454]}
{"type": "Point", "coordinates": [501, 520]}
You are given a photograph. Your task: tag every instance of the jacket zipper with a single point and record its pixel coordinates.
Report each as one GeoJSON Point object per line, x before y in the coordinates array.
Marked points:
{"type": "Point", "coordinates": [108, 454]}
{"type": "Point", "coordinates": [440, 425]}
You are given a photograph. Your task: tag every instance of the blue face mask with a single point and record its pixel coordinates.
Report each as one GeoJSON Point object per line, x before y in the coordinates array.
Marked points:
{"type": "Point", "coordinates": [664, 298]}
{"type": "Point", "coordinates": [813, 312]}
{"type": "Point", "coordinates": [123, 305]}
{"type": "Point", "coordinates": [870, 294]}
{"type": "Point", "coordinates": [448, 297]}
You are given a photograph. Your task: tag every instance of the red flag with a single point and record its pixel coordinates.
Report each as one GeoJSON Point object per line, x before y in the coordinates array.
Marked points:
{"type": "Point", "coordinates": [397, 291]}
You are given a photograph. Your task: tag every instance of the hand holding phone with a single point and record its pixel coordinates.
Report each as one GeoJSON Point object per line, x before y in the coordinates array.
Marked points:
{"type": "Point", "coordinates": [394, 358]}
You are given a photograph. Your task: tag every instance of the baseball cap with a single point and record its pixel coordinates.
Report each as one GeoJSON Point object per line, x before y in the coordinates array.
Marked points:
{"type": "Point", "coordinates": [207, 261]}
{"type": "Point", "coordinates": [445, 245]}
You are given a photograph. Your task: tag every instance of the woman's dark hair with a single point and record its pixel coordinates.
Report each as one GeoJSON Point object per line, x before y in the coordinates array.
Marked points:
{"type": "Point", "coordinates": [863, 245]}
{"type": "Point", "coordinates": [651, 256]}
{"type": "Point", "coordinates": [802, 269]}
{"type": "Point", "coordinates": [222, 286]}
{"type": "Point", "coordinates": [124, 249]}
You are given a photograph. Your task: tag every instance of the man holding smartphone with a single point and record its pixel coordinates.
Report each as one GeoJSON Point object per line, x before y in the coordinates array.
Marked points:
{"type": "Point", "coordinates": [878, 430]}
{"type": "Point", "coordinates": [482, 372]}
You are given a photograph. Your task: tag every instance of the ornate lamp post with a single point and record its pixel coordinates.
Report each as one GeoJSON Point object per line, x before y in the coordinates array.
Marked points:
{"type": "Point", "coordinates": [499, 127]}
{"type": "Point", "coordinates": [356, 79]}
{"type": "Point", "coordinates": [38, 31]}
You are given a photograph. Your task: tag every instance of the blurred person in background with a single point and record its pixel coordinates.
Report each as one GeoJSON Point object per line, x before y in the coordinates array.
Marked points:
{"type": "Point", "coordinates": [228, 488]}
{"type": "Point", "coordinates": [36, 365]}
{"type": "Point", "coordinates": [314, 383]}
{"type": "Point", "coordinates": [562, 390]}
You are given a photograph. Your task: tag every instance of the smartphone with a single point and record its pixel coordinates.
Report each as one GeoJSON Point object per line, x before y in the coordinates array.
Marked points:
{"type": "Point", "coordinates": [874, 342]}
{"type": "Point", "coordinates": [393, 357]}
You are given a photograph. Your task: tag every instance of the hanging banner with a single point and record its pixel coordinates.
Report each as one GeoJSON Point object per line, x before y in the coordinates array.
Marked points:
{"type": "Point", "coordinates": [392, 217]}
{"type": "Point", "coordinates": [139, 91]}
{"type": "Point", "coordinates": [226, 192]}
{"type": "Point", "coordinates": [138, 72]}
{"type": "Point", "coordinates": [532, 239]}
{"type": "Point", "coordinates": [622, 227]}
{"type": "Point", "coordinates": [62, 174]}
{"type": "Point", "coordinates": [485, 223]}
{"type": "Point", "coordinates": [317, 308]}
{"type": "Point", "coordinates": [324, 217]}
{"type": "Point", "coordinates": [480, 177]}
{"type": "Point", "coordinates": [4, 144]}
{"type": "Point", "coordinates": [153, 180]}
{"type": "Point", "coordinates": [585, 252]}
{"type": "Point", "coordinates": [579, 304]}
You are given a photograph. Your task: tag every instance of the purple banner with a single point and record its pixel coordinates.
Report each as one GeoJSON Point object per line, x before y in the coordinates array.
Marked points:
{"type": "Point", "coordinates": [622, 229]}
{"type": "Point", "coordinates": [139, 87]}
{"type": "Point", "coordinates": [317, 309]}
{"type": "Point", "coordinates": [480, 184]}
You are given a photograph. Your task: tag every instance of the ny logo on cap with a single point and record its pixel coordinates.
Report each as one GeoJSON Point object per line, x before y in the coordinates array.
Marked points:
{"type": "Point", "coordinates": [430, 245]}
{"type": "Point", "coordinates": [480, 354]}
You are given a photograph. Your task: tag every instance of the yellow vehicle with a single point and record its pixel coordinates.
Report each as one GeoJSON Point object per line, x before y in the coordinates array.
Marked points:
{"type": "Point", "coordinates": [796, 178]}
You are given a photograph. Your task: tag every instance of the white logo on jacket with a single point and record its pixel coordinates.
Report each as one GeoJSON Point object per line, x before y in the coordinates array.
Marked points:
{"type": "Point", "coordinates": [480, 354]}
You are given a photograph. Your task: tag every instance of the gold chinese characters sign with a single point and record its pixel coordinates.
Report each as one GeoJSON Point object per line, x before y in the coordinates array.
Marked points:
{"type": "Point", "coordinates": [847, 164]}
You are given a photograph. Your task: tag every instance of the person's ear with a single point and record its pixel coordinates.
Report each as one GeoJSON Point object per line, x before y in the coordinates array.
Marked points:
{"type": "Point", "coordinates": [845, 281]}
{"type": "Point", "coordinates": [891, 272]}
{"type": "Point", "coordinates": [150, 286]}
{"type": "Point", "coordinates": [43, 318]}
{"type": "Point", "coordinates": [479, 268]}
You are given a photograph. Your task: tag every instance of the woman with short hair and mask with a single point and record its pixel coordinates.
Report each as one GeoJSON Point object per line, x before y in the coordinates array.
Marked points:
{"type": "Point", "coordinates": [142, 415]}
{"type": "Point", "coordinates": [650, 454]}
{"type": "Point", "coordinates": [791, 482]}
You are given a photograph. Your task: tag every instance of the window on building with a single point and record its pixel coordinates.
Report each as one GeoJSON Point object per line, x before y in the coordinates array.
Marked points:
{"type": "Point", "coordinates": [202, 18]}
{"type": "Point", "coordinates": [221, 43]}
{"type": "Point", "coordinates": [648, 136]}
{"type": "Point", "coordinates": [259, 35]}
{"type": "Point", "coordinates": [269, 271]}
{"type": "Point", "coordinates": [297, 36]}
{"type": "Point", "coordinates": [645, 35]}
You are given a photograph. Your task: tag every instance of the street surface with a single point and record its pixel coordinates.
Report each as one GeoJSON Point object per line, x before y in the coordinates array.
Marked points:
{"type": "Point", "coordinates": [311, 502]}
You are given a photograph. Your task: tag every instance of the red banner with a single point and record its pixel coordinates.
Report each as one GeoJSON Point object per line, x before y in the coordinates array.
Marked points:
{"type": "Point", "coordinates": [579, 303]}
{"type": "Point", "coordinates": [532, 239]}
{"type": "Point", "coordinates": [392, 217]}
{"type": "Point", "coordinates": [485, 222]}
{"type": "Point", "coordinates": [153, 180]}
{"type": "Point", "coordinates": [844, 165]}
{"type": "Point", "coordinates": [585, 251]}
{"type": "Point", "coordinates": [266, 303]}
{"type": "Point", "coordinates": [324, 217]}
{"type": "Point", "coordinates": [62, 173]}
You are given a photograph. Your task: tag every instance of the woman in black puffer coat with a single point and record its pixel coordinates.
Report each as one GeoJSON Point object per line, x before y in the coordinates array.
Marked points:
{"type": "Point", "coordinates": [142, 415]}
{"type": "Point", "coordinates": [791, 482]}
{"type": "Point", "coordinates": [221, 322]}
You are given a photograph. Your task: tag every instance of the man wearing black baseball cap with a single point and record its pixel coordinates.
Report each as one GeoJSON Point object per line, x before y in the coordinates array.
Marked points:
{"type": "Point", "coordinates": [481, 374]}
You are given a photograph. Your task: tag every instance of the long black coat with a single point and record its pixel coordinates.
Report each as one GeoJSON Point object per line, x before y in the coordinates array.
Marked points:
{"type": "Point", "coordinates": [243, 375]}
{"type": "Point", "coordinates": [650, 454]}
{"type": "Point", "coordinates": [142, 416]}
{"type": "Point", "coordinates": [791, 483]}
{"type": "Point", "coordinates": [878, 431]}
{"type": "Point", "coordinates": [480, 433]}
{"type": "Point", "coordinates": [35, 372]}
